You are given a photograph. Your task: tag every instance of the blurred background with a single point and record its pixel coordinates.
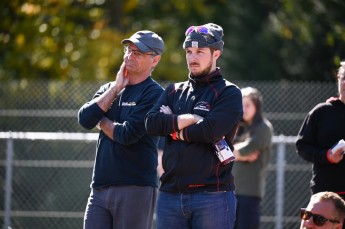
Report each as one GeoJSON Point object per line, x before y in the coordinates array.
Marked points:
{"type": "Point", "coordinates": [79, 40]}
{"type": "Point", "coordinates": [55, 54]}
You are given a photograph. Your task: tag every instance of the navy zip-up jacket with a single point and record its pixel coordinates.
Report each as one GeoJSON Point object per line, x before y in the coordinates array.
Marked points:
{"type": "Point", "coordinates": [191, 165]}
{"type": "Point", "coordinates": [131, 159]}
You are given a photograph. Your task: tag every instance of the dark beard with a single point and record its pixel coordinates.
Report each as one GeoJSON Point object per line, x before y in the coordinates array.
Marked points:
{"type": "Point", "coordinates": [203, 73]}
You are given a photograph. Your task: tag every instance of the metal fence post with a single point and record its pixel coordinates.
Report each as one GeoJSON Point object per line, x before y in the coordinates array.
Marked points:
{"type": "Point", "coordinates": [8, 183]}
{"type": "Point", "coordinates": [279, 210]}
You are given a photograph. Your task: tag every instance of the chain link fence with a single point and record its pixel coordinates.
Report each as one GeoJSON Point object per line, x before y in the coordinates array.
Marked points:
{"type": "Point", "coordinates": [51, 178]}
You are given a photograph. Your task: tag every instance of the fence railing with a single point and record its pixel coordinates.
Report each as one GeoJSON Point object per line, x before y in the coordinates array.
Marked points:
{"type": "Point", "coordinates": [9, 163]}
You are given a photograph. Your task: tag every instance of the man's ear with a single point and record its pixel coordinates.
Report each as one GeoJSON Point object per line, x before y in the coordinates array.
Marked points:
{"type": "Point", "coordinates": [156, 59]}
{"type": "Point", "coordinates": [216, 54]}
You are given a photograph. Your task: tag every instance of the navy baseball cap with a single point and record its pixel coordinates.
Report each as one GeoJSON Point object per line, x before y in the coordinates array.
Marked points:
{"type": "Point", "coordinates": [146, 41]}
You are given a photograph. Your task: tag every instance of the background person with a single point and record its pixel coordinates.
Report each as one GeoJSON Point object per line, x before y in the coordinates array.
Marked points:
{"type": "Point", "coordinates": [324, 210]}
{"type": "Point", "coordinates": [125, 169]}
{"type": "Point", "coordinates": [253, 146]}
{"type": "Point", "coordinates": [196, 190]}
{"type": "Point", "coordinates": [322, 128]}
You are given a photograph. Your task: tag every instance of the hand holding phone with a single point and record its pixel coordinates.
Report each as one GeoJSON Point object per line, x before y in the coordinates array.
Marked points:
{"type": "Point", "coordinates": [340, 144]}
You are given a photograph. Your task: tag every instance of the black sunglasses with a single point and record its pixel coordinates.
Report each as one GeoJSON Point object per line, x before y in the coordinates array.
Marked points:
{"type": "Point", "coordinates": [318, 220]}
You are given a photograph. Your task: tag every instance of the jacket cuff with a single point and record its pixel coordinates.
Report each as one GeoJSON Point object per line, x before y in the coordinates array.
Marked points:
{"type": "Point", "coordinates": [175, 123]}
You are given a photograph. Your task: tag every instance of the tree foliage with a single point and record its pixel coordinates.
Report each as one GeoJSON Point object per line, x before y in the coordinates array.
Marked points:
{"type": "Point", "coordinates": [81, 39]}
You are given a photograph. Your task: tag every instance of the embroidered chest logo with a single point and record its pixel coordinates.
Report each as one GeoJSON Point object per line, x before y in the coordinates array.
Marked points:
{"type": "Point", "coordinates": [128, 104]}
{"type": "Point", "coordinates": [204, 106]}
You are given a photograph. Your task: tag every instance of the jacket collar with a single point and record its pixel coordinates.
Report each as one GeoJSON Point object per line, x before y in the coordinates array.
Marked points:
{"type": "Point", "coordinates": [206, 79]}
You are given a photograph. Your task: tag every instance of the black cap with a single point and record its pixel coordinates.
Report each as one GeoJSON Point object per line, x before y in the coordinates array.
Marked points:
{"type": "Point", "coordinates": [208, 35]}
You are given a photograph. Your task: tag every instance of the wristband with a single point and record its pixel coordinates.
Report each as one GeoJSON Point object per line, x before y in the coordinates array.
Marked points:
{"type": "Point", "coordinates": [174, 136]}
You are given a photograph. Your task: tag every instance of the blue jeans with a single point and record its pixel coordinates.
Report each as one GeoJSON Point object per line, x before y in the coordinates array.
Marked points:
{"type": "Point", "coordinates": [204, 210]}
{"type": "Point", "coordinates": [120, 207]}
{"type": "Point", "coordinates": [248, 212]}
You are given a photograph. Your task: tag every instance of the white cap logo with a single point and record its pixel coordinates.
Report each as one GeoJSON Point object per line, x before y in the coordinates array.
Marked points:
{"type": "Point", "coordinates": [195, 44]}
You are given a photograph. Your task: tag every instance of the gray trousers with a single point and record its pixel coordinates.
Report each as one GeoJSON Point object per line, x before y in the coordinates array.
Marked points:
{"type": "Point", "coordinates": [120, 207]}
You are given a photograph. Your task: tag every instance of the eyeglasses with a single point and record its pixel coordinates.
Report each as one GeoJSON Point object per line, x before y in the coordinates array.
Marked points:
{"type": "Point", "coordinates": [198, 29]}
{"type": "Point", "coordinates": [318, 220]}
{"type": "Point", "coordinates": [136, 52]}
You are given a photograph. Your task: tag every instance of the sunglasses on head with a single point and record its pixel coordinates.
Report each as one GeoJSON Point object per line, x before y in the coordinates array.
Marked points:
{"type": "Point", "coordinates": [198, 29]}
{"type": "Point", "coordinates": [318, 220]}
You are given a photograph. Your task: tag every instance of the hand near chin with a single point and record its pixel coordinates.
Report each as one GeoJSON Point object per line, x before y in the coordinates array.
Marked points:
{"type": "Point", "coordinates": [122, 78]}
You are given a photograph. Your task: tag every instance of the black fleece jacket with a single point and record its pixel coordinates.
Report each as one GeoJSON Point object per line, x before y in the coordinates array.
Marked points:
{"type": "Point", "coordinates": [322, 128]}
{"type": "Point", "coordinates": [191, 165]}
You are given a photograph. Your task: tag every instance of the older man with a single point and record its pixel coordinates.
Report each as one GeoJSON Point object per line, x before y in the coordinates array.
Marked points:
{"type": "Point", "coordinates": [124, 182]}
